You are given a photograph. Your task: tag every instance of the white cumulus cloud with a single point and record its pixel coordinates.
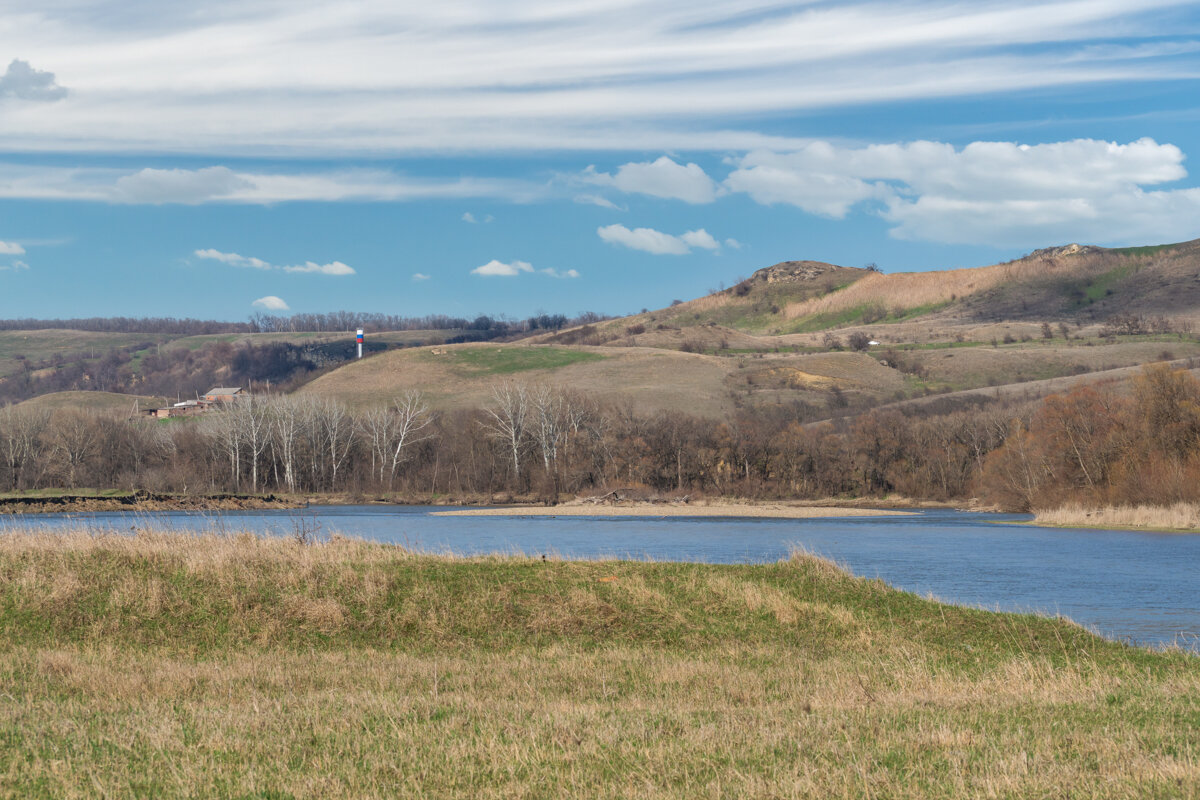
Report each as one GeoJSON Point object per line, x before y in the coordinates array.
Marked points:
{"type": "Point", "coordinates": [661, 178]}
{"type": "Point", "coordinates": [11, 249]}
{"type": "Point", "coordinates": [271, 303]}
{"type": "Point", "coordinates": [649, 240]}
{"type": "Point", "coordinates": [495, 268]}
{"type": "Point", "coordinates": [420, 276]}
{"type": "Point", "coordinates": [553, 273]}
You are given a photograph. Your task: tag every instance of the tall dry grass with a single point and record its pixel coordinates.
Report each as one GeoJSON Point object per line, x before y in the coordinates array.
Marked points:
{"type": "Point", "coordinates": [1177, 517]}
{"type": "Point", "coordinates": [906, 290]}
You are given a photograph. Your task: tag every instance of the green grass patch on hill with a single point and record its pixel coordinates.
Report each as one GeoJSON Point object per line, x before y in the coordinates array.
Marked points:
{"type": "Point", "coordinates": [1091, 290]}
{"type": "Point", "coordinates": [491, 360]}
{"type": "Point", "coordinates": [171, 665]}
{"type": "Point", "coordinates": [863, 314]}
{"type": "Point", "coordinates": [1146, 250]}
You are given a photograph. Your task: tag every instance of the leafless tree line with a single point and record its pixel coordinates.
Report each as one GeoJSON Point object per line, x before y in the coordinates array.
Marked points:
{"type": "Point", "coordinates": [528, 439]}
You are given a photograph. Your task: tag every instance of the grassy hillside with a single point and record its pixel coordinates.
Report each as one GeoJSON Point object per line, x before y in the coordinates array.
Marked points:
{"type": "Point", "coordinates": [109, 402]}
{"type": "Point", "coordinates": [162, 665]}
{"type": "Point", "coordinates": [462, 376]}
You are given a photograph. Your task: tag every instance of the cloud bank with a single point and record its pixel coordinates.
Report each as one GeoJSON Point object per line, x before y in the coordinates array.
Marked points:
{"type": "Point", "coordinates": [1000, 193]}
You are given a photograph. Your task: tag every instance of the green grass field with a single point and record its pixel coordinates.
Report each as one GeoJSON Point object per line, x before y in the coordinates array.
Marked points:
{"type": "Point", "coordinates": [165, 665]}
{"type": "Point", "coordinates": [483, 360]}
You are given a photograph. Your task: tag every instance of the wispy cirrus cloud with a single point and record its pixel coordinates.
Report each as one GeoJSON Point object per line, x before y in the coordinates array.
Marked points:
{"type": "Point", "coordinates": [649, 240]}
{"type": "Point", "coordinates": [250, 262]}
{"type": "Point", "coordinates": [474, 75]}
{"type": "Point", "coordinates": [222, 184]}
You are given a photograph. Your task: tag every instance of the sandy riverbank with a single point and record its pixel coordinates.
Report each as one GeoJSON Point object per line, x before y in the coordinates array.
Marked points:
{"type": "Point", "coordinates": [773, 510]}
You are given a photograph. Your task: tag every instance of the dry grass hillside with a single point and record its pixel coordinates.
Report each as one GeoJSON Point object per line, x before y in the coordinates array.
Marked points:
{"type": "Point", "coordinates": [1079, 285]}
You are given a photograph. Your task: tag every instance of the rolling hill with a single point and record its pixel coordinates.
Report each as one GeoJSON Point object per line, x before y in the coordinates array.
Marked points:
{"type": "Point", "coordinates": [779, 338]}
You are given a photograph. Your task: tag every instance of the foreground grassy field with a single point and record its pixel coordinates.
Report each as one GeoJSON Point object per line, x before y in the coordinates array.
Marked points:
{"type": "Point", "coordinates": [161, 665]}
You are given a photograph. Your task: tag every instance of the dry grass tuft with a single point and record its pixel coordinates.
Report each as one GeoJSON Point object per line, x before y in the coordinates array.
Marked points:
{"type": "Point", "coordinates": [1177, 517]}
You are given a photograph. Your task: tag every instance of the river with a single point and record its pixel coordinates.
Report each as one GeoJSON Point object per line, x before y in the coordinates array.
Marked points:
{"type": "Point", "coordinates": [1142, 588]}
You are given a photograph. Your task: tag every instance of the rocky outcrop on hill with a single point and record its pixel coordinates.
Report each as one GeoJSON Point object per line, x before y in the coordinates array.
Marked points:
{"type": "Point", "coordinates": [794, 271]}
{"type": "Point", "coordinates": [1065, 250]}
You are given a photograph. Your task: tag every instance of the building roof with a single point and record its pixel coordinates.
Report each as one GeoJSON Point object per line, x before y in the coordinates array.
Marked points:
{"type": "Point", "coordinates": [224, 390]}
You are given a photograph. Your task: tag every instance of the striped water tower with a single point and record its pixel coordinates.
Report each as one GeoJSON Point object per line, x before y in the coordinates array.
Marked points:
{"type": "Point", "coordinates": [358, 339]}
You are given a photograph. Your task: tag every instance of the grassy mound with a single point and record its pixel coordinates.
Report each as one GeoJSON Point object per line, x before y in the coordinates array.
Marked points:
{"type": "Point", "coordinates": [167, 665]}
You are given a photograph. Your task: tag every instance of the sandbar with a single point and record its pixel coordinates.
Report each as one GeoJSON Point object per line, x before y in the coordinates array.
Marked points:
{"type": "Point", "coordinates": [772, 510]}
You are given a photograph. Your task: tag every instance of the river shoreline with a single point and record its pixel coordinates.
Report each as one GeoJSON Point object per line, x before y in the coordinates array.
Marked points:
{"type": "Point", "coordinates": [503, 504]}
{"type": "Point", "coordinates": [141, 501]}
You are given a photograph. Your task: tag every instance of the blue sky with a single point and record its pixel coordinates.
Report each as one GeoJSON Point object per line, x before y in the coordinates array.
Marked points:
{"type": "Point", "coordinates": [478, 156]}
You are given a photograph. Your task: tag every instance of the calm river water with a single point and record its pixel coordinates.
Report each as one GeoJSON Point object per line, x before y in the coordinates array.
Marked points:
{"type": "Point", "coordinates": [1143, 588]}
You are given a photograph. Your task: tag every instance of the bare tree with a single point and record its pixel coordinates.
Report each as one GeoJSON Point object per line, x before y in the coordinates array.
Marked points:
{"type": "Point", "coordinates": [549, 422]}
{"type": "Point", "coordinates": [507, 420]}
{"type": "Point", "coordinates": [286, 419]}
{"type": "Point", "coordinates": [412, 419]}
{"type": "Point", "coordinates": [22, 440]}
{"type": "Point", "coordinates": [335, 430]}
{"type": "Point", "coordinates": [221, 430]}
{"type": "Point", "coordinates": [251, 422]}
{"type": "Point", "coordinates": [76, 436]}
